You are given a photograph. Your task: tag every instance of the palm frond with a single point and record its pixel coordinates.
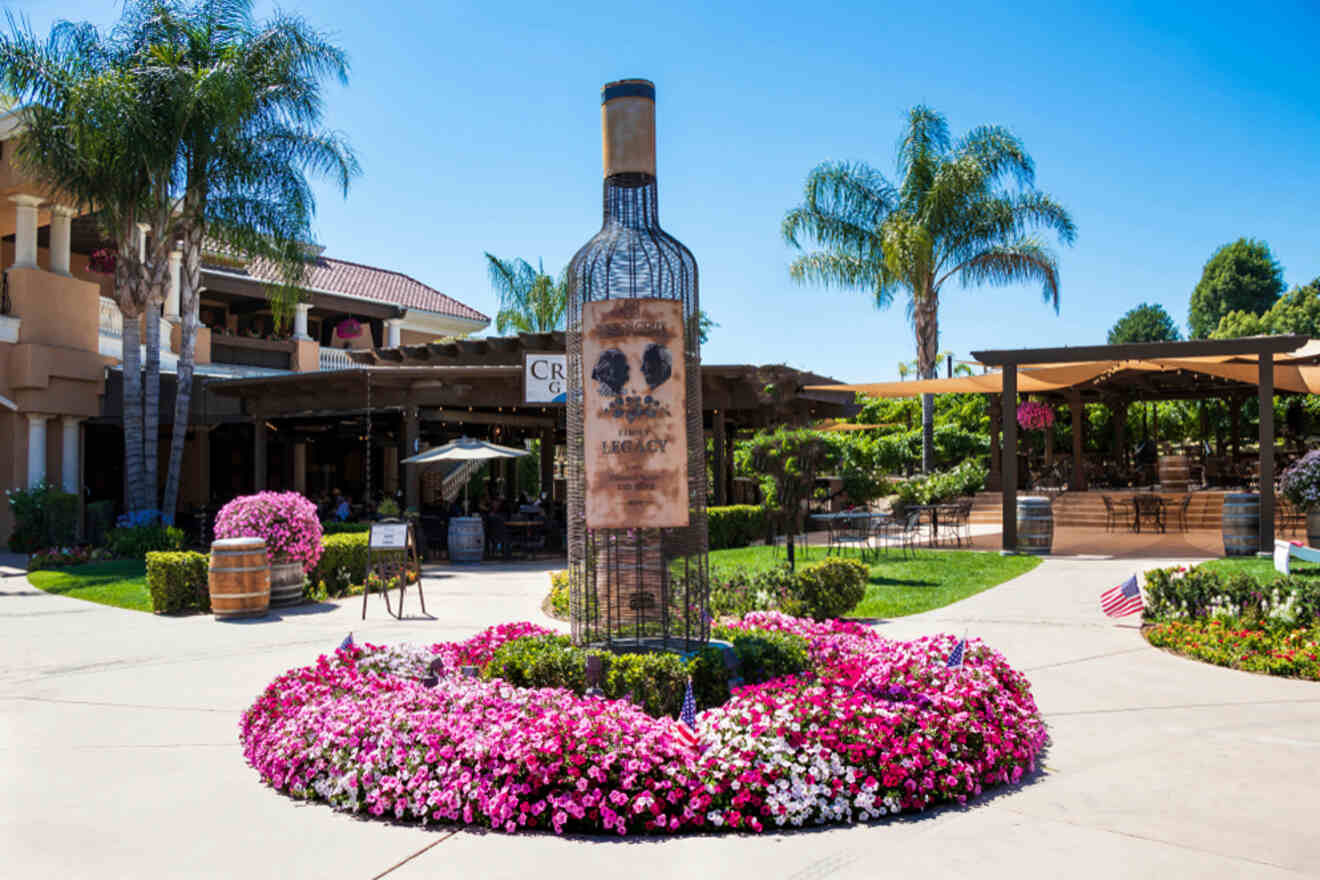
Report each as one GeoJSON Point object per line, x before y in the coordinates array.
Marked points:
{"type": "Point", "coordinates": [998, 152]}
{"type": "Point", "coordinates": [921, 149]}
{"type": "Point", "coordinates": [1020, 262]}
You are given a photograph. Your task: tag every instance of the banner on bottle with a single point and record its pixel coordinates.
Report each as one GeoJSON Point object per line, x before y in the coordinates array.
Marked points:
{"type": "Point", "coordinates": [634, 413]}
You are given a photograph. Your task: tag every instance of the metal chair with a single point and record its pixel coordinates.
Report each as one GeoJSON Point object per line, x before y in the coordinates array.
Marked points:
{"type": "Point", "coordinates": [909, 532]}
{"type": "Point", "coordinates": [1116, 513]}
{"type": "Point", "coordinates": [1180, 512]}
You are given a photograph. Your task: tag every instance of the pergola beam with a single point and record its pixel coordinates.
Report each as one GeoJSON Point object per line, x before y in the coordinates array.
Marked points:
{"type": "Point", "coordinates": [1138, 351]}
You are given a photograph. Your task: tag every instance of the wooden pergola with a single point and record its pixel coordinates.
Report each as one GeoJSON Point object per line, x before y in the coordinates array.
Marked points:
{"type": "Point", "coordinates": [475, 387]}
{"type": "Point", "coordinates": [1121, 374]}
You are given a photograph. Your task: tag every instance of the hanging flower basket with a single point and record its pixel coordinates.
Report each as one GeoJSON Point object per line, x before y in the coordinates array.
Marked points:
{"type": "Point", "coordinates": [102, 261]}
{"type": "Point", "coordinates": [1033, 416]}
{"type": "Point", "coordinates": [349, 328]}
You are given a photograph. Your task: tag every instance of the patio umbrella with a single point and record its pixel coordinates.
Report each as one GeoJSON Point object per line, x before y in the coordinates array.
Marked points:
{"type": "Point", "coordinates": [466, 449]}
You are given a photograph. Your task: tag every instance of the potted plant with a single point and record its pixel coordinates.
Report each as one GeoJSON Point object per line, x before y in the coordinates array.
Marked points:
{"type": "Point", "coordinates": [288, 523]}
{"type": "Point", "coordinates": [1301, 486]}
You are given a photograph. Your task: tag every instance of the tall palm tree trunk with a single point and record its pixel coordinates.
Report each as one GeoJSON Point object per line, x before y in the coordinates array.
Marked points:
{"type": "Point", "coordinates": [925, 317]}
{"type": "Point", "coordinates": [132, 412]}
{"type": "Point", "coordinates": [189, 283]}
{"type": "Point", "coordinates": [151, 410]}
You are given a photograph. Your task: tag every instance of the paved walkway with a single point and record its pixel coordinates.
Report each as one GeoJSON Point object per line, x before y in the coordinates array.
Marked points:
{"type": "Point", "coordinates": [119, 754]}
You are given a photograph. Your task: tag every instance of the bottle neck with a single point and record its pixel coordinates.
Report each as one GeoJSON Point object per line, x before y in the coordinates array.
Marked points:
{"type": "Point", "coordinates": [630, 200]}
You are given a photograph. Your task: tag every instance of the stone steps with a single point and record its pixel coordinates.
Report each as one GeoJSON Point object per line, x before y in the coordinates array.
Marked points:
{"type": "Point", "coordinates": [1087, 509]}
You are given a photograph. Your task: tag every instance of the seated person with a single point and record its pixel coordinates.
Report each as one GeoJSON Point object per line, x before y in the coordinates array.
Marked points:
{"type": "Point", "coordinates": [342, 509]}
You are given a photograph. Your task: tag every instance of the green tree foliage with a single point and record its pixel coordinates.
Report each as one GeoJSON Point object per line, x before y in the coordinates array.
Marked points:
{"type": "Point", "coordinates": [1148, 322]}
{"type": "Point", "coordinates": [965, 209]}
{"type": "Point", "coordinates": [1241, 276]}
{"type": "Point", "coordinates": [530, 300]}
{"type": "Point", "coordinates": [787, 462]}
{"type": "Point", "coordinates": [1297, 311]}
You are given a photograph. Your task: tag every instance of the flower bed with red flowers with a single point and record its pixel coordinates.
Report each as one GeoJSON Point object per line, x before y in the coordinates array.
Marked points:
{"type": "Point", "coordinates": [1253, 646]}
{"type": "Point", "coordinates": [873, 727]}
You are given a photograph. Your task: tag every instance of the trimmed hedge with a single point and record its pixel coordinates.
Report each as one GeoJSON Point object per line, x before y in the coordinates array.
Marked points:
{"type": "Point", "coordinates": [135, 542]}
{"type": "Point", "coordinates": [736, 525]}
{"type": "Point", "coordinates": [335, 527]}
{"type": "Point", "coordinates": [343, 562]}
{"type": "Point", "coordinates": [654, 681]}
{"type": "Point", "coordinates": [831, 588]}
{"type": "Point", "coordinates": [559, 597]}
{"type": "Point", "coordinates": [178, 581]}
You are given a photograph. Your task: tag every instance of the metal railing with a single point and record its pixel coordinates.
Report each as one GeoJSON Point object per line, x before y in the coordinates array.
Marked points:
{"type": "Point", "coordinates": [337, 359]}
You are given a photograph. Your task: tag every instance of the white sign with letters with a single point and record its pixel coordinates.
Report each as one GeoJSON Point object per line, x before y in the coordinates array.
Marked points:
{"type": "Point", "coordinates": [389, 536]}
{"type": "Point", "coordinates": [545, 378]}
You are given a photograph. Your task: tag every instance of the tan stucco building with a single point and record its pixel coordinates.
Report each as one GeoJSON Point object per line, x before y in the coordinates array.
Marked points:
{"type": "Point", "coordinates": [60, 344]}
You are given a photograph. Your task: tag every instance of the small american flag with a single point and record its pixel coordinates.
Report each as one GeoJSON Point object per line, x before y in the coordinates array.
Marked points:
{"type": "Point", "coordinates": [685, 725]}
{"type": "Point", "coordinates": [346, 643]}
{"type": "Point", "coordinates": [955, 660]}
{"type": "Point", "coordinates": [1122, 600]}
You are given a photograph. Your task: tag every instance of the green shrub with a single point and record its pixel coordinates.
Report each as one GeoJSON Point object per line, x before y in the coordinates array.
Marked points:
{"type": "Point", "coordinates": [966, 479]}
{"type": "Point", "coordinates": [44, 516]}
{"type": "Point", "coordinates": [1173, 593]}
{"type": "Point", "coordinates": [765, 654]}
{"type": "Point", "coordinates": [737, 525]}
{"type": "Point", "coordinates": [559, 599]}
{"type": "Point", "coordinates": [100, 517]}
{"type": "Point", "coordinates": [135, 542]}
{"type": "Point", "coordinates": [343, 562]}
{"type": "Point", "coordinates": [335, 527]}
{"type": "Point", "coordinates": [831, 588]}
{"type": "Point", "coordinates": [178, 581]}
{"type": "Point", "coordinates": [737, 591]}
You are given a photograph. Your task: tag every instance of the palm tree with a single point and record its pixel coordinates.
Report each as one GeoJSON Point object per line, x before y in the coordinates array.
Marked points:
{"type": "Point", "coordinates": [964, 210]}
{"type": "Point", "coordinates": [92, 135]}
{"type": "Point", "coordinates": [252, 96]}
{"type": "Point", "coordinates": [530, 300]}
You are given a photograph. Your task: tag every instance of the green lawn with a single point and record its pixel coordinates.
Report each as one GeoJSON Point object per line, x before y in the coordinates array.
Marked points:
{"type": "Point", "coordinates": [121, 583]}
{"type": "Point", "coordinates": [931, 579]}
{"type": "Point", "coordinates": [1260, 569]}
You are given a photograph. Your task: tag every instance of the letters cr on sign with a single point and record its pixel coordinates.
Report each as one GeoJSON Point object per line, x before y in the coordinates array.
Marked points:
{"type": "Point", "coordinates": [634, 413]}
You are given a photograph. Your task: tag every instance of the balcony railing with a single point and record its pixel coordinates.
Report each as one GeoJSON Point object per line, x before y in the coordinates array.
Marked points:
{"type": "Point", "coordinates": [112, 320]}
{"type": "Point", "coordinates": [337, 359]}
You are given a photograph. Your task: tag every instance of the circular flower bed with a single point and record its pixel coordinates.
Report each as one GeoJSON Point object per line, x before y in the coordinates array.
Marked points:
{"type": "Point", "coordinates": [874, 727]}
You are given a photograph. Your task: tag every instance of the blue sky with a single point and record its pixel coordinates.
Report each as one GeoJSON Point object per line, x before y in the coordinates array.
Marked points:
{"type": "Point", "coordinates": [1167, 129]}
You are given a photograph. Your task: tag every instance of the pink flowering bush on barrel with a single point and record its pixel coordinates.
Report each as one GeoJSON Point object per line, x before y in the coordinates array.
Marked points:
{"type": "Point", "coordinates": [286, 520]}
{"type": "Point", "coordinates": [873, 727]}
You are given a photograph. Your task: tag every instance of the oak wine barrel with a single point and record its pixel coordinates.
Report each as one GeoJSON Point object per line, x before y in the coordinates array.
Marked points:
{"type": "Point", "coordinates": [467, 539]}
{"type": "Point", "coordinates": [286, 583]}
{"type": "Point", "coordinates": [1241, 524]}
{"type": "Point", "coordinates": [1174, 471]}
{"type": "Point", "coordinates": [239, 578]}
{"type": "Point", "coordinates": [1035, 525]}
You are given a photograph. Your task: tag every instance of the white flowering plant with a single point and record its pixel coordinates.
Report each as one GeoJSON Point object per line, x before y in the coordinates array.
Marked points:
{"type": "Point", "coordinates": [1301, 482]}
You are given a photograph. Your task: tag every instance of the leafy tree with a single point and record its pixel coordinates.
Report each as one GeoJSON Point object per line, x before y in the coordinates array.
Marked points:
{"type": "Point", "coordinates": [1297, 311]}
{"type": "Point", "coordinates": [964, 210]}
{"type": "Point", "coordinates": [530, 300]}
{"type": "Point", "coordinates": [1241, 276]}
{"type": "Point", "coordinates": [1147, 322]}
{"type": "Point", "coordinates": [787, 462]}
{"type": "Point", "coordinates": [1238, 323]}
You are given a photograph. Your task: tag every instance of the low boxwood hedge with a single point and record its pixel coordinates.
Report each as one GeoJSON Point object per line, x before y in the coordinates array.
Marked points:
{"type": "Point", "coordinates": [736, 525]}
{"type": "Point", "coordinates": [177, 581]}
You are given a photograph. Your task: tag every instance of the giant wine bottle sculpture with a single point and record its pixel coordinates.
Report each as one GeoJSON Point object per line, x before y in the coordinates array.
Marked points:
{"type": "Point", "coordinates": [636, 466]}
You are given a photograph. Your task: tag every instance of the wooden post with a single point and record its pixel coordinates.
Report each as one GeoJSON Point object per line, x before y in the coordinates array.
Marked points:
{"type": "Point", "coordinates": [1078, 481]}
{"type": "Point", "coordinates": [1235, 414]}
{"type": "Point", "coordinates": [730, 438]}
{"type": "Point", "coordinates": [1047, 438]}
{"type": "Point", "coordinates": [409, 444]}
{"type": "Point", "coordinates": [994, 482]}
{"type": "Point", "coordinates": [258, 452]}
{"type": "Point", "coordinates": [717, 464]}
{"type": "Point", "coordinates": [1119, 408]}
{"type": "Point", "coordinates": [548, 462]}
{"type": "Point", "coordinates": [1008, 515]}
{"type": "Point", "coordinates": [1266, 392]}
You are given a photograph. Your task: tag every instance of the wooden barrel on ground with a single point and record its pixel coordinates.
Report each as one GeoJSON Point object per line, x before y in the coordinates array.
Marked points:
{"type": "Point", "coordinates": [1035, 525]}
{"type": "Point", "coordinates": [239, 578]}
{"type": "Point", "coordinates": [286, 584]}
{"type": "Point", "coordinates": [1173, 473]}
{"type": "Point", "coordinates": [467, 539]}
{"type": "Point", "coordinates": [1241, 524]}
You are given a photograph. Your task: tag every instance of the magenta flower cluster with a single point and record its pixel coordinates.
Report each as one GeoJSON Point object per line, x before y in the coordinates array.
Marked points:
{"type": "Point", "coordinates": [874, 727]}
{"type": "Point", "coordinates": [286, 520]}
{"type": "Point", "coordinates": [1034, 416]}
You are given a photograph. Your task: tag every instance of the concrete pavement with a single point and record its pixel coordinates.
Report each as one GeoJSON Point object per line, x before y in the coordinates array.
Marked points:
{"type": "Point", "coordinates": [119, 754]}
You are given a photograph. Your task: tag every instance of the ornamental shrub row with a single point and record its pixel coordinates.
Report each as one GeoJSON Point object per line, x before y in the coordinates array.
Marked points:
{"type": "Point", "coordinates": [178, 581]}
{"type": "Point", "coordinates": [1172, 593]}
{"type": "Point", "coordinates": [736, 525]}
{"type": "Point", "coordinates": [135, 542]}
{"type": "Point", "coordinates": [343, 562]}
{"type": "Point", "coordinates": [823, 590]}
{"type": "Point", "coordinates": [654, 681]}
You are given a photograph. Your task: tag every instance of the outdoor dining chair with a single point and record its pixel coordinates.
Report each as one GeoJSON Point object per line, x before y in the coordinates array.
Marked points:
{"type": "Point", "coordinates": [1179, 511]}
{"type": "Point", "coordinates": [908, 533]}
{"type": "Point", "coordinates": [1117, 513]}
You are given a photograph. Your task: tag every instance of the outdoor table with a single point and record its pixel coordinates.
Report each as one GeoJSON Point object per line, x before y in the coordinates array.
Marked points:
{"type": "Point", "coordinates": [933, 510]}
{"type": "Point", "coordinates": [525, 525]}
{"type": "Point", "coordinates": [1147, 504]}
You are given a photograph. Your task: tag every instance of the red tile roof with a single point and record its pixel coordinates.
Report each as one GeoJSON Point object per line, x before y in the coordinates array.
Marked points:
{"type": "Point", "coordinates": [366, 282]}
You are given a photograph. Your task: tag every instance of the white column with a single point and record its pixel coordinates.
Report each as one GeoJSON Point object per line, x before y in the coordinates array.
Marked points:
{"type": "Point", "coordinates": [393, 326]}
{"type": "Point", "coordinates": [300, 321]}
{"type": "Point", "coordinates": [36, 449]}
{"type": "Point", "coordinates": [61, 238]}
{"type": "Point", "coordinates": [143, 229]}
{"type": "Point", "coordinates": [300, 468]}
{"type": "Point", "coordinates": [172, 298]}
{"type": "Point", "coordinates": [69, 453]}
{"type": "Point", "coordinates": [25, 231]}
